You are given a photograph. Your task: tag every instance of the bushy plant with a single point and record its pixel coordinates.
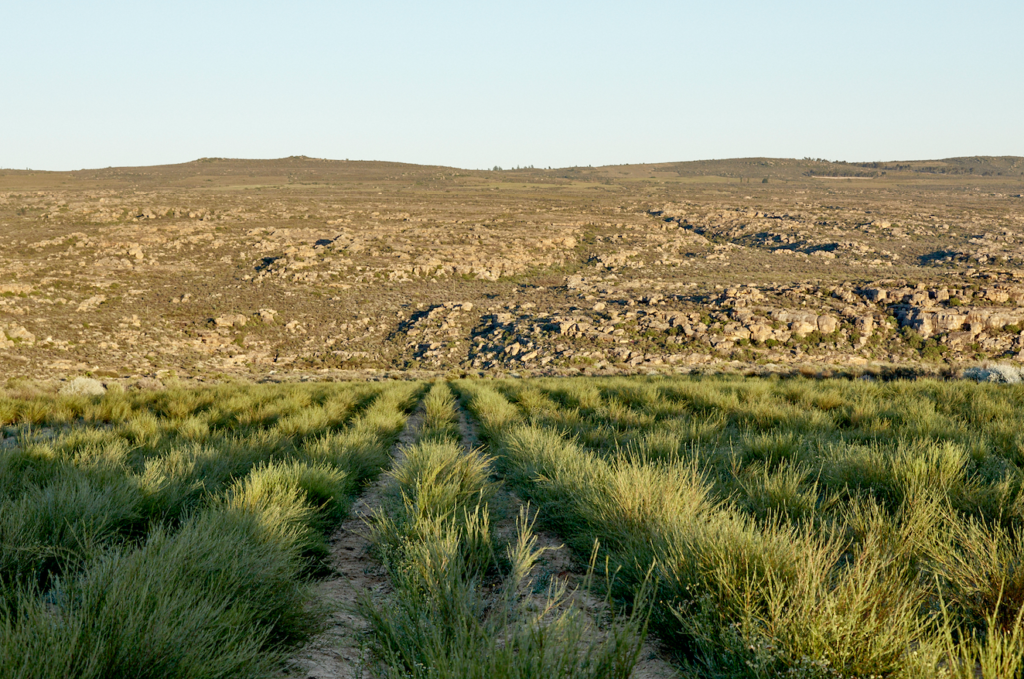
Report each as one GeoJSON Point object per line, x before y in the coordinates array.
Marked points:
{"type": "Point", "coordinates": [1006, 374]}
{"type": "Point", "coordinates": [178, 542]}
{"type": "Point", "coordinates": [837, 529]}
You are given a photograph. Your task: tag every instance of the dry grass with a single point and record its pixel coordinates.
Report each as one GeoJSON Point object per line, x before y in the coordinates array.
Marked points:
{"type": "Point", "coordinates": [798, 528]}
{"type": "Point", "coordinates": [132, 524]}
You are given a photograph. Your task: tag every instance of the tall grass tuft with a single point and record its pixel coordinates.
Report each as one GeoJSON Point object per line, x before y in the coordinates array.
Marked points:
{"type": "Point", "coordinates": [457, 610]}
{"type": "Point", "coordinates": [172, 534]}
{"type": "Point", "coordinates": [220, 597]}
{"type": "Point", "coordinates": [810, 551]}
{"type": "Point", "coordinates": [439, 416]}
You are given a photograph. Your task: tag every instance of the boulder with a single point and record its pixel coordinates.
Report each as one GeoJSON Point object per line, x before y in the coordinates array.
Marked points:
{"type": "Point", "coordinates": [943, 321]}
{"type": "Point", "coordinates": [802, 328]}
{"type": "Point", "coordinates": [735, 331]}
{"type": "Point", "coordinates": [997, 321]}
{"type": "Point", "coordinates": [759, 332]}
{"type": "Point", "coordinates": [17, 333]}
{"type": "Point", "coordinates": [959, 339]}
{"type": "Point", "coordinates": [996, 295]}
{"type": "Point", "coordinates": [875, 295]}
{"type": "Point", "coordinates": [230, 321]}
{"type": "Point", "coordinates": [864, 325]}
{"type": "Point", "coordinates": [977, 320]}
{"type": "Point", "coordinates": [827, 324]}
{"type": "Point", "coordinates": [91, 303]}
{"type": "Point", "coordinates": [678, 320]}
{"type": "Point", "coordinates": [795, 316]}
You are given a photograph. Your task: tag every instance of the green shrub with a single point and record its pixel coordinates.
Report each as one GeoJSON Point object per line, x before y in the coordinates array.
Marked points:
{"type": "Point", "coordinates": [221, 597]}
{"type": "Point", "coordinates": [815, 530]}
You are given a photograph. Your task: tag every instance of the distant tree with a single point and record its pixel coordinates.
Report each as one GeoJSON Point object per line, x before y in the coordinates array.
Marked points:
{"type": "Point", "coordinates": [765, 180]}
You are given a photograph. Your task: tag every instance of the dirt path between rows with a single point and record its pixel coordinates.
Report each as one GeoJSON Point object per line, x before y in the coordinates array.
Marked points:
{"type": "Point", "coordinates": [557, 561]}
{"type": "Point", "coordinates": [339, 652]}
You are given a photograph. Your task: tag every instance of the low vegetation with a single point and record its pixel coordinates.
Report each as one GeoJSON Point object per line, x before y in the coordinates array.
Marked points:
{"type": "Point", "coordinates": [257, 268]}
{"type": "Point", "coordinates": [462, 604]}
{"type": "Point", "coordinates": [836, 529]}
{"type": "Point", "coordinates": [761, 527]}
{"type": "Point", "coordinates": [172, 534]}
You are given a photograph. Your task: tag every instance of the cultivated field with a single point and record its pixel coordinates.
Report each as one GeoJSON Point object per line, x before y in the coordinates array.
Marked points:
{"type": "Point", "coordinates": [796, 528]}
{"type": "Point", "coordinates": [170, 534]}
{"type": "Point", "coordinates": [757, 527]}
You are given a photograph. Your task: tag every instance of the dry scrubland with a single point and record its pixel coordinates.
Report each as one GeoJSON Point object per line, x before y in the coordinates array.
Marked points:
{"type": "Point", "coordinates": [230, 267]}
{"type": "Point", "coordinates": [759, 527]}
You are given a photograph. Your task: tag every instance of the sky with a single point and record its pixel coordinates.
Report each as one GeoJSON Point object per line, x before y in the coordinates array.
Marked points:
{"type": "Point", "coordinates": [478, 84]}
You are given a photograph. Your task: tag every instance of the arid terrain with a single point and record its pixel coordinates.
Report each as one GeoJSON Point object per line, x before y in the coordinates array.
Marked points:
{"type": "Point", "coordinates": [302, 266]}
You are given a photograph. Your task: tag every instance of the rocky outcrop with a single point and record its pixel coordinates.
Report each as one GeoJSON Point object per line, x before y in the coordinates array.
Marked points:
{"type": "Point", "coordinates": [974, 321]}
{"type": "Point", "coordinates": [12, 335]}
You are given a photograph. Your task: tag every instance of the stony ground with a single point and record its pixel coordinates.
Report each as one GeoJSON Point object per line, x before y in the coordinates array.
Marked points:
{"type": "Point", "coordinates": [306, 267]}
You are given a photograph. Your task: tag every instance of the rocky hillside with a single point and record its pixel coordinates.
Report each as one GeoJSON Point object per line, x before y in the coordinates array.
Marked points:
{"type": "Point", "coordinates": [304, 266]}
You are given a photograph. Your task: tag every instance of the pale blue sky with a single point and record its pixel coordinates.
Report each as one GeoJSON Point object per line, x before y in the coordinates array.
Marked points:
{"type": "Point", "coordinates": [472, 84]}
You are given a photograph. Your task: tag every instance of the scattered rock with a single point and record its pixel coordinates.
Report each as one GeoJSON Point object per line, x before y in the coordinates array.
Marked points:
{"type": "Point", "coordinates": [91, 303]}
{"type": "Point", "coordinates": [230, 321]}
{"type": "Point", "coordinates": [15, 334]}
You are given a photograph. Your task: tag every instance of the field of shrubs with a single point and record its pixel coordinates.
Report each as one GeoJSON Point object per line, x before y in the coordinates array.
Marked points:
{"type": "Point", "coordinates": [756, 527]}
{"type": "Point", "coordinates": [172, 534]}
{"type": "Point", "coordinates": [795, 528]}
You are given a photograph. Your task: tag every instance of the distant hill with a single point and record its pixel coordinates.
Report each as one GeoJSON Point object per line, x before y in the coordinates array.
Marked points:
{"type": "Point", "coordinates": [294, 168]}
{"type": "Point", "coordinates": [790, 168]}
{"type": "Point", "coordinates": [217, 172]}
{"type": "Point", "coordinates": [210, 172]}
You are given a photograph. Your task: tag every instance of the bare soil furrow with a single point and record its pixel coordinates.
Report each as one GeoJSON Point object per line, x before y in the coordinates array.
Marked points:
{"type": "Point", "coordinates": [340, 651]}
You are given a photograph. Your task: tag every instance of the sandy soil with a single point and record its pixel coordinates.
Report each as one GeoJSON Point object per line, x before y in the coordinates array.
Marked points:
{"type": "Point", "coordinates": [339, 652]}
